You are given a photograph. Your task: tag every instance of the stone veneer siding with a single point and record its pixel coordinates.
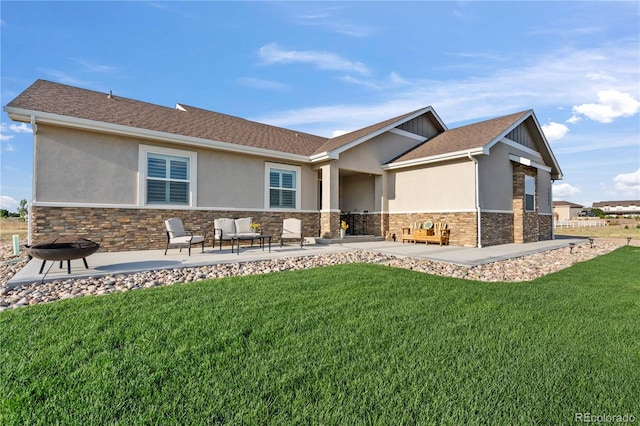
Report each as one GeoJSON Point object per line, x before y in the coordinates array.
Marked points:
{"type": "Point", "coordinates": [532, 226]}
{"type": "Point", "coordinates": [497, 228]}
{"type": "Point", "coordinates": [545, 227]}
{"type": "Point", "coordinates": [463, 226]}
{"type": "Point", "coordinates": [125, 229]}
{"type": "Point", "coordinates": [329, 224]}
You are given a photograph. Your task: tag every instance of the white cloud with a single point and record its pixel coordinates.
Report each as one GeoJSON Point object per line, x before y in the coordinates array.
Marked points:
{"type": "Point", "coordinates": [263, 84]}
{"type": "Point", "coordinates": [595, 142]}
{"type": "Point", "coordinates": [628, 183]}
{"type": "Point", "coordinates": [91, 67]}
{"type": "Point", "coordinates": [561, 190]}
{"type": "Point", "coordinates": [554, 131]}
{"type": "Point", "coordinates": [392, 80]}
{"type": "Point", "coordinates": [552, 80]}
{"type": "Point", "coordinates": [337, 133]}
{"type": "Point", "coordinates": [20, 128]}
{"type": "Point", "coordinates": [330, 17]}
{"type": "Point", "coordinates": [612, 104]}
{"type": "Point", "coordinates": [273, 54]}
{"type": "Point", "coordinates": [8, 203]}
{"type": "Point", "coordinates": [4, 137]}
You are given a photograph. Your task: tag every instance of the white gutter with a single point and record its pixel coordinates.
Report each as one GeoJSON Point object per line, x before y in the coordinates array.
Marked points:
{"type": "Point", "coordinates": [433, 159]}
{"type": "Point", "coordinates": [479, 225]}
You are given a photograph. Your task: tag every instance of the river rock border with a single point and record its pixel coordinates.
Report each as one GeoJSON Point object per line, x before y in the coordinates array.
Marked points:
{"type": "Point", "coordinates": [523, 268]}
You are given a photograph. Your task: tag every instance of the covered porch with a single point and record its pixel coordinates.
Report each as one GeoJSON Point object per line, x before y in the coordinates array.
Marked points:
{"type": "Point", "coordinates": [352, 196]}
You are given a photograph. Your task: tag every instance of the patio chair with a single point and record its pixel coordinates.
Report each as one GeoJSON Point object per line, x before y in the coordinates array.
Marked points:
{"type": "Point", "coordinates": [291, 230]}
{"type": "Point", "coordinates": [225, 229]}
{"type": "Point", "coordinates": [176, 235]}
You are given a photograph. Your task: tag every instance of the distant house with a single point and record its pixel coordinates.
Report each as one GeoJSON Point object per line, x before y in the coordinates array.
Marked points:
{"type": "Point", "coordinates": [565, 210]}
{"type": "Point", "coordinates": [116, 167]}
{"type": "Point", "coordinates": [619, 208]}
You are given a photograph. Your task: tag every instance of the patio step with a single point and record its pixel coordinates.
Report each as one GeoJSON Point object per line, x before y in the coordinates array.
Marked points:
{"type": "Point", "coordinates": [349, 239]}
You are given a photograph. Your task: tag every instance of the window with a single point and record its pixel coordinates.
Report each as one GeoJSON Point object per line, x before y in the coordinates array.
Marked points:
{"type": "Point", "coordinates": [283, 183]}
{"type": "Point", "coordinates": [529, 193]}
{"type": "Point", "coordinates": [166, 176]}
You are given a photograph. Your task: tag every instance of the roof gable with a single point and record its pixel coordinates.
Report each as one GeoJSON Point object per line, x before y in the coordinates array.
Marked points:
{"type": "Point", "coordinates": [334, 146]}
{"type": "Point", "coordinates": [478, 138]}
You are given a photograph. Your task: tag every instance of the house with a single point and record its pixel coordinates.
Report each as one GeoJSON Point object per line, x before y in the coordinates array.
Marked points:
{"type": "Point", "coordinates": [565, 210]}
{"type": "Point", "coordinates": [619, 208]}
{"type": "Point", "coordinates": [114, 167]}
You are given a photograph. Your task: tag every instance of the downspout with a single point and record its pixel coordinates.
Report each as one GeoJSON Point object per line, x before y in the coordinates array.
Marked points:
{"type": "Point", "coordinates": [553, 214]}
{"type": "Point", "coordinates": [34, 129]}
{"type": "Point", "coordinates": [477, 183]}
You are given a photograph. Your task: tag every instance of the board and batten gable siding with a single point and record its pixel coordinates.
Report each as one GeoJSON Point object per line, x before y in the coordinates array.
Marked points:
{"type": "Point", "coordinates": [441, 187]}
{"type": "Point", "coordinates": [420, 126]}
{"type": "Point", "coordinates": [522, 135]}
{"type": "Point", "coordinates": [81, 167]}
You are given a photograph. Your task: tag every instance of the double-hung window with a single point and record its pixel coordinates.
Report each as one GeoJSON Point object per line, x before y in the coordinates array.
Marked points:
{"type": "Point", "coordinates": [283, 186]}
{"type": "Point", "coordinates": [167, 176]}
{"type": "Point", "coordinates": [529, 193]}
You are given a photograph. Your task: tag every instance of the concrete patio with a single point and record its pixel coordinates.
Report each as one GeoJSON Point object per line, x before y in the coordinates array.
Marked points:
{"type": "Point", "coordinates": [115, 263]}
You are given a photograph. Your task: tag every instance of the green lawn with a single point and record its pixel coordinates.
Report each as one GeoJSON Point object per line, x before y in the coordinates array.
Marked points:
{"type": "Point", "coordinates": [355, 344]}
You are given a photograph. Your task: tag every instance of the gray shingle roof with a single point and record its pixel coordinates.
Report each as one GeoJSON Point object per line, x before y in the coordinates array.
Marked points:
{"type": "Point", "coordinates": [54, 98]}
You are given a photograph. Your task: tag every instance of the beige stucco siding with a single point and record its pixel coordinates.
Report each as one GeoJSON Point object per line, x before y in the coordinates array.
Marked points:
{"type": "Point", "coordinates": [370, 156]}
{"type": "Point", "coordinates": [543, 187]}
{"type": "Point", "coordinates": [224, 180]}
{"type": "Point", "coordinates": [496, 179]}
{"type": "Point", "coordinates": [495, 174]}
{"type": "Point", "coordinates": [442, 187]}
{"type": "Point", "coordinates": [76, 166]}
{"type": "Point", "coordinates": [358, 193]}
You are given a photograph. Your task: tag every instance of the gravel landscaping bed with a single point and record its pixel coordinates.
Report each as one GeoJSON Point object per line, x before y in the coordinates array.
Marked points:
{"type": "Point", "coordinates": [523, 268]}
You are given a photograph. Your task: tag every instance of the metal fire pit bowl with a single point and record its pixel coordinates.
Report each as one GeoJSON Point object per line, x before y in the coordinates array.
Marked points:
{"type": "Point", "coordinates": [61, 249]}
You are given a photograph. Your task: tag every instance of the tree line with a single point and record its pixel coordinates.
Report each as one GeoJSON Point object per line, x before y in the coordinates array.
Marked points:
{"type": "Point", "coordinates": [21, 213]}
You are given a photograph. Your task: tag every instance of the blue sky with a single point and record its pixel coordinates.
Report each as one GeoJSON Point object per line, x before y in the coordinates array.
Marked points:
{"type": "Point", "coordinates": [330, 67]}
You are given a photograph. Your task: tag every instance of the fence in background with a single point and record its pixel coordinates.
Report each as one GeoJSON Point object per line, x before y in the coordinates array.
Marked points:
{"type": "Point", "coordinates": [580, 223]}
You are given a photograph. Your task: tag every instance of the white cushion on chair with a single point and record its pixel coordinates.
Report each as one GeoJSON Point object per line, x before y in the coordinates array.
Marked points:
{"type": "Point", "coordinates": [292, 228]}
{"type": "Point", "coordinates": [196, 239]}
{"type": "Point", "coordinates": [243, 225]}
{"type": "Point", "coordinates": [175, 228]}
{"type": "Point", "coordinates": [226, 226]}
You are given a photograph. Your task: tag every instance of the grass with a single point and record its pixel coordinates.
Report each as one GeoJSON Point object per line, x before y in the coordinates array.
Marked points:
{"type": "Point", "coordinates": [10, 227]}
{"type": "Point", "coordinates": [355, 344]}
{"type": "Point", "coordinates": [613, 231]}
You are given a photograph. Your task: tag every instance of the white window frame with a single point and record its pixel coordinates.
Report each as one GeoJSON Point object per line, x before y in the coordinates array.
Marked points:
{"type": "Point", "coordinates": [287, 167]}
{"type": "Point", "coordinates": [143, 151]}
{"type": "Point", "coordinates": [530, 179]}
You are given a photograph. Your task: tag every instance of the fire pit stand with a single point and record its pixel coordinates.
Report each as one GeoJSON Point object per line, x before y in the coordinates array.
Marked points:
{"type": "Point", "coordinates": [61, 249]}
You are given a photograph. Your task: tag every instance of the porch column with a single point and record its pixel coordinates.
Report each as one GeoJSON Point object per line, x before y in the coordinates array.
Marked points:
{"type": "Point", "coordinates": [383, 205]}
{"type": "Point", "coordinates": [330, 211]}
